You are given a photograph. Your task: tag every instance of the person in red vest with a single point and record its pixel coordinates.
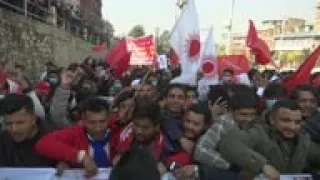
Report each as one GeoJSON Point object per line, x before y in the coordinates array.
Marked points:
{"type": "Point", "coordinates": [88, 145]}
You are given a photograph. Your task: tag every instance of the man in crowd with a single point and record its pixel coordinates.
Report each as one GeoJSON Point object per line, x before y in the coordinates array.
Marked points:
{"type": "Point", "coordinates": [191, 96]}
{"type": "Point", "coordinates": [196, 122]}
{"type": "Point", "coordinates": [22, 131]}
{"type": "Point", "coordinates": [122, 116]}
{"type": "Point", "coordinates": [306, 97]}
{"type": "Point", "coordinates": [272, 149]}
{"type": "Point", "coordinates": [227, 77]}
{"type": "Point", "coordinates": [172, 116]}
{"type": "Point", "coordinates": [88, 145]}
{"type": "Point", "coordinates": [146, 91]}
{"type": "Point", "coordinates": [272, 93]}
{"type": "Point", "coordinates": [60, 100]}
{"type": "Point", "coordinates": [243, 110]}
{"type": "Point", "coordinates": [144, 132]}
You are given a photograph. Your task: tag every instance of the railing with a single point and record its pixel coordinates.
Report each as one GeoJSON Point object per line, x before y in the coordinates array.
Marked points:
{"type": "Point", "coordinates": [50, 15]}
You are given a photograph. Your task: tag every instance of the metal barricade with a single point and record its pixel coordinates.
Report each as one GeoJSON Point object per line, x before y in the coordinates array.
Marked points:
{"type": "Point", "coordinates": [49, 15]}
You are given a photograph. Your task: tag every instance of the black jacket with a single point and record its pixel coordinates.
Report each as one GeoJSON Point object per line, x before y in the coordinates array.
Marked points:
{"type": "Point", "coordinates": [22, 154]}
{"type": "Point", "coordinates": [312, 127]}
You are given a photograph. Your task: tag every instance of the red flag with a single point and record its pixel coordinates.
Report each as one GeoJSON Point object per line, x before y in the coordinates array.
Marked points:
{"type": "Point", "coordinates": [302, 75]}
{"type": "Point", "coordinates": [238, 63]}
{"type": "Point", "coordinates": [99, 47]}
{"type": "Point", "coordinates": [118, 58]}
{"type": "Point", "coordinates": [258, 46]}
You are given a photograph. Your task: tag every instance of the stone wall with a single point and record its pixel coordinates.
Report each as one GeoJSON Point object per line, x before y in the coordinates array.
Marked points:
{"type": "Point", "coordinates": [33, 43]}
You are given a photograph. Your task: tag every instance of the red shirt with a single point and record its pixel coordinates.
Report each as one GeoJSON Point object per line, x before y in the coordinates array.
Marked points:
{"type": "Point", "coordinates": [126, 141]}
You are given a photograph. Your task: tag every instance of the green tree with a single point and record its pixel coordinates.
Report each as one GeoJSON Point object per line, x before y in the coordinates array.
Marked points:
{"type": "Point", "coordinates": [137, 31]}
{"type": "Point", "coordinates": [163, 43]}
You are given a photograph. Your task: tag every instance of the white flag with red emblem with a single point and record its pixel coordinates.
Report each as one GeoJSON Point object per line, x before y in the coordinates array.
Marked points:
{"type": "Point", "coordinates": [185, 42]}
{"type": "Point", "coordinates": [209, 66]}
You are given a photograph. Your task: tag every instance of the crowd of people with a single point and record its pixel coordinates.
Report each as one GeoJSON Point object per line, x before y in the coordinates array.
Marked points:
{"type": "Point", "coordinates": [144, 127]}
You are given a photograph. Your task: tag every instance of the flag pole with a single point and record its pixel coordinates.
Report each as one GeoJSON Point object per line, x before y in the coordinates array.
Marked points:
{"type": "Point", "coordinates": [229, 51]}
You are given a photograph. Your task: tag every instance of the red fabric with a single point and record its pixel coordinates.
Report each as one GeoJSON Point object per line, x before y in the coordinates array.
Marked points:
{"type": "Point", "coordinates": [99, 47]}
{"type": "Point", "coordinates": [112, 122]}
{"type": "Point", "coordinates": [143, 50]}
{"type": "Point", "coordinates": [174, 58]}
{"type": "Point", "coordinates": [118, 58]}
{"type": "Point", "coordinates": [126, 141]}
{"type": "Point", "coordinates": [43, 87]}
{"type": "Point", "coordinates": [115, 128]}
{"type": "Point", "coordinates": [182, 158]}
{"type": "Point", "coordinates": [302, 75]}
{"type": "Point", "coordinates": [258, 46]}
{"type": "Point", "coordinates": [64, 145]}
{"type": "Point", "coordinates": [238, 63]}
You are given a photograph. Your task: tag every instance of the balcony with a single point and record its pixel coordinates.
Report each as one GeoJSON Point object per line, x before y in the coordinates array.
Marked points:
{"type": "Point", "coordinates": [54, 15]}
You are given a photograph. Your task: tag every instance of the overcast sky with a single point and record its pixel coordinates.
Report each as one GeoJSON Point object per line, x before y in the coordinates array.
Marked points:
{"type": "Point", "coordinates": [124, 14]}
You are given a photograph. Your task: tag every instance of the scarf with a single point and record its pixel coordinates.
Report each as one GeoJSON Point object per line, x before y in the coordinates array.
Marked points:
{"type": "Point", "coordinates": [99, 152]}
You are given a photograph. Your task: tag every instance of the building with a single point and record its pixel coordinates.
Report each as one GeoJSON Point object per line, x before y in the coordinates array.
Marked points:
{"type": "Point", "coordinates": [90, 11]}
{"type": "Point", "coordinates": [272, 32]}
{"type": "Point", "coordinates": [297, 41]}
{"type": "Point", "coordinates": [317, 20]}
{"type": "Point", "coordinates": [238, 43]}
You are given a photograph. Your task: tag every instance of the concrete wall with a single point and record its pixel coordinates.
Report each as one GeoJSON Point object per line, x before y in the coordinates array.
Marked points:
{"type": "Point", "coordinates": [33, 43]}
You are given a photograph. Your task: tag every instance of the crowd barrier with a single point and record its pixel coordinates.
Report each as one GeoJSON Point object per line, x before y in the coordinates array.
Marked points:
{"type": "Point", "coordinates": [48, 174]}
{"type": "Point", "coordinates": [78, 174]}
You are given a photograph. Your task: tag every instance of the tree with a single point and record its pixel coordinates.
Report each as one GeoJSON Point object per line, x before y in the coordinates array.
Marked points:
{"type": "Point", "coordinates": [137, 31]}
{"type": "Point", "coordinates": [163, 43]}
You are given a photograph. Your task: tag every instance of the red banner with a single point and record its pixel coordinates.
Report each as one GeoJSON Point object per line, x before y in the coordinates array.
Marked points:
{"type": "Point", "coordinates": [143, 50]}
{"type": "Point", "coordinates": [238, 63]}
